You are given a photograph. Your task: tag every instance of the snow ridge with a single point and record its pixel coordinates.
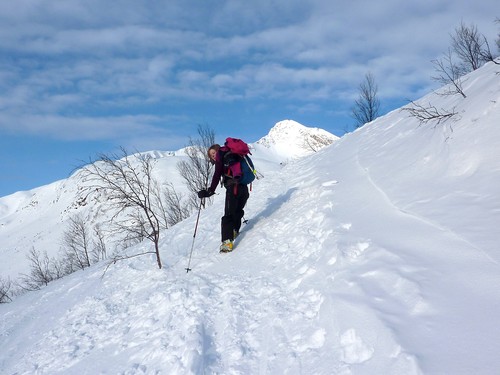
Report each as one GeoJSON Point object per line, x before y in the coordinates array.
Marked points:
{"type": "Point", "coordinates": [387, 262]}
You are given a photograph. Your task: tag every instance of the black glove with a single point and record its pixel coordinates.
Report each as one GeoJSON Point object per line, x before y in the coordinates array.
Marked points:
{"type": "Point", "coordinates": [205, 193]}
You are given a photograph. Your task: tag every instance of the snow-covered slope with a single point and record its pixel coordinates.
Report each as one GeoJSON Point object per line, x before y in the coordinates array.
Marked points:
{"type": "Point", "coordinates": [384, 262]}
{"type": "Point", "coordinates": [36, 219]}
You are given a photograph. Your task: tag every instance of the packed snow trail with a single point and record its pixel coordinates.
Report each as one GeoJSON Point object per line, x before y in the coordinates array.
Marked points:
{"type": "Point", "coordinates": [286, 256]}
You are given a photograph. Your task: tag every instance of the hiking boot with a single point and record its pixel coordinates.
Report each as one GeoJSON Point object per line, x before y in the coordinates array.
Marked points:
{"type": "Point", "coordinates": [226, 246]}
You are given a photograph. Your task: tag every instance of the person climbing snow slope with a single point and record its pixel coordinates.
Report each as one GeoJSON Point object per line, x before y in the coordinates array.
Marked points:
{"type": "Point", "coordinates": [236, 171]}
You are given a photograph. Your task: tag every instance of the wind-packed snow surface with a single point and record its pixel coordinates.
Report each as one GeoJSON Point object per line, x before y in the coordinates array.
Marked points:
{"type": "Point", "coordinates": [377, 255]}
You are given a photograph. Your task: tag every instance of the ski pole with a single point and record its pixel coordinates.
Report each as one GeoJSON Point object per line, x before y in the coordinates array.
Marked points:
{"type": "Point", "coordinates": [194, 236]}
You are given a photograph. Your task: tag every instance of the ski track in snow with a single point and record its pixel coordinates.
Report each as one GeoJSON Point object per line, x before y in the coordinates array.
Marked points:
{"type": "Point", "coordinates": [424, 220]}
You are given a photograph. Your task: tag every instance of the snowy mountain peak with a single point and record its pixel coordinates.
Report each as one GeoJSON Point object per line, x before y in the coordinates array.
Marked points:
{"type": "Point", "coordinates": [289, 139]}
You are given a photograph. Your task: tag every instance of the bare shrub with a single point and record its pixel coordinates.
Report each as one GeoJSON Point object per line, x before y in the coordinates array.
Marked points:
{"type": "Point", "coordinates": [133, 194]}
{"type": "Point", "coordinates": [5, 290]}
{"type": "Point", "coordinates": [99, 250]}
{"type": "Point", "coordinates": [471, 47]}
{"type": "Point", "coordinates": [429, 113]}
{"type": "Point", "coordinates": [366, 107]}
{"type": "Point", "coordinates": [176, 209]}
{"type": "Point", "coordinates": [197, 170]}
{"type": "Point", "coordinates": [43, 270]}
{"type": "Point", "coordinates": [449, 74]}
{"type": "Point", "coordinates": [76, 244]}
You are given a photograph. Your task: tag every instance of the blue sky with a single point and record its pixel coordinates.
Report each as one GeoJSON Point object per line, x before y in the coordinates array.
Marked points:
{"type": "Point", "coordinates": [78, 78]}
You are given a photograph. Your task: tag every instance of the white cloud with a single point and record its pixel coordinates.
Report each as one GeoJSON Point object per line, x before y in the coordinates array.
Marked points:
{"type": "Point", "coordinates": [74, 59]}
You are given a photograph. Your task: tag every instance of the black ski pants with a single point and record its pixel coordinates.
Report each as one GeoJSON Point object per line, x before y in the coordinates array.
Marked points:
{"type": "Point", "coordinates": [236, 198]}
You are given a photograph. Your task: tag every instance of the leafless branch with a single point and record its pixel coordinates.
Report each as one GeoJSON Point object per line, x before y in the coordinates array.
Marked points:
{"type": "Point", "coordinates": [197, 170]}
{"type": "Point", "coordinates": [133, 194]}
{"type": "Point", "coordinates": [429, 114]}
{"type": "Point", "coordinates": [449, 74]}
{"type": "Point", "coordinates": [5, 290]}
{"type": "Point", "coordinates": [366, 107]}
{"type": "Point", "coordinates": [42, 271]}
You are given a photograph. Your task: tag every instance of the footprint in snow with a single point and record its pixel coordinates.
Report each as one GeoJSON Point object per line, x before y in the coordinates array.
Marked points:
{"type": "Point", "coordinates": [346, 226]}
{"type": "Point", "coordinates": [329, 183]}
{"type": "Point", "coordinates": [354, 350]}
{"type": "Point", "coordinates": [356, 250]}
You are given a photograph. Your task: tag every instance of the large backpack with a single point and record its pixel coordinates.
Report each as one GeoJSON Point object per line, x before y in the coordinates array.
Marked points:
{"type": "Point", "coordinates": [237, 162]}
